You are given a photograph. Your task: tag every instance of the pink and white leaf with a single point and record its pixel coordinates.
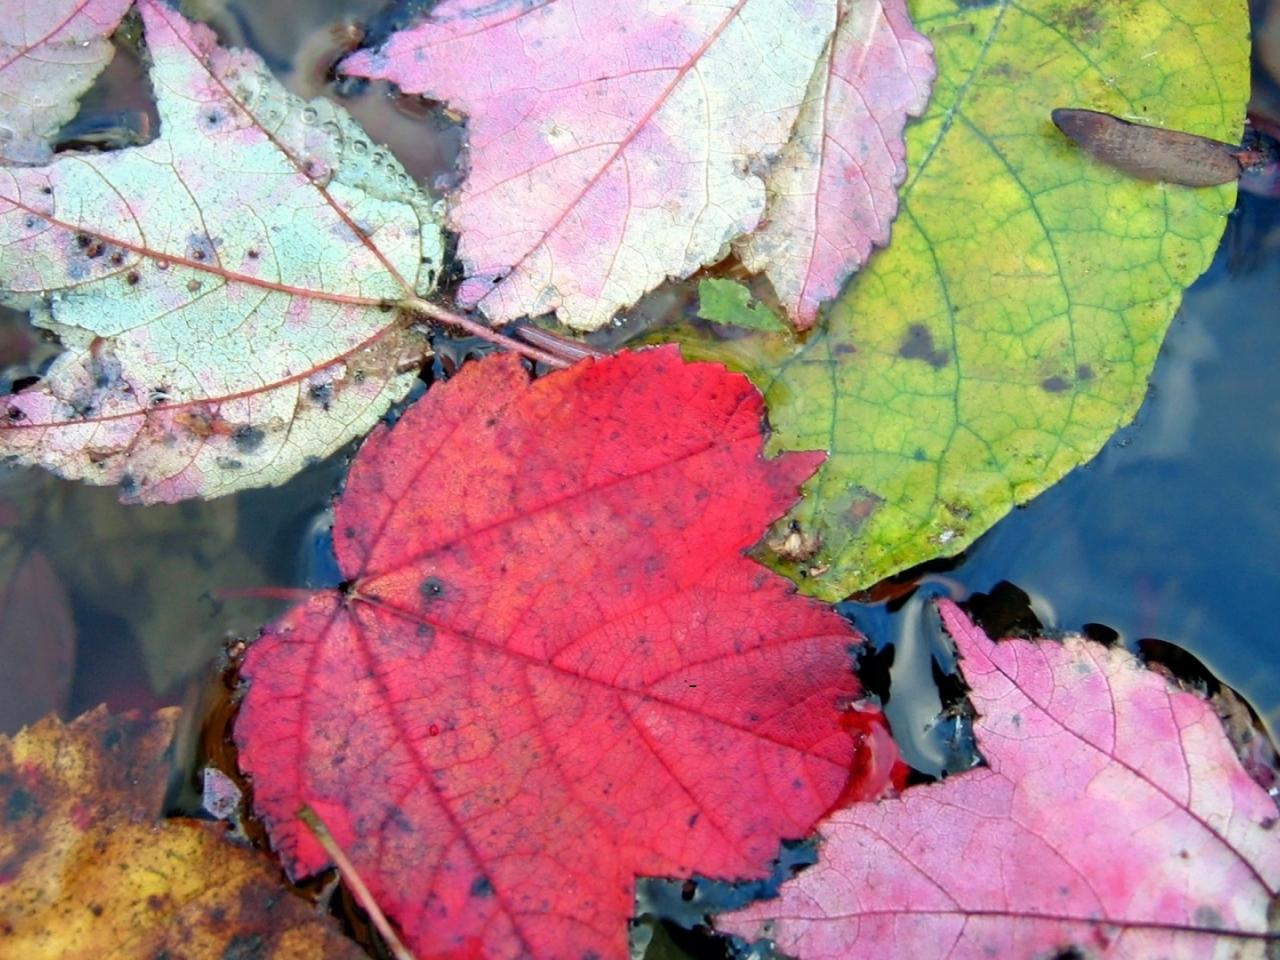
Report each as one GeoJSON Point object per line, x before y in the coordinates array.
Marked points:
{"type": "Point", "coordinates": [834, 191]}
{"type": "Point", "coordinates": [1112, 817]}
{"type": "Point", "coordinates": [50, 52]}
{"type": "Point", "coordinates": [611, 145]}
{"type": "Point", "coordinates": [224, 294]}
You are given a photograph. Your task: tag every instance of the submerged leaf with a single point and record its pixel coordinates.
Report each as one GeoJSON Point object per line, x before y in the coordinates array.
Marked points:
{"type": "Point", "coordinates": [552, 668]}
{"type": "Point", "coordinates": [89, 872]}
{"type": "Point", "coordinates": [225, 294]}
{"type": "Point", "coordinates": [37, 634]}
{"type": "Point", "coordinates": [729, 302]}
{"type": "Point", "coordinates": [50, 52]}
{"type": "Point", "coordinates": [1011, 326]}
{"type": "Point", "coordinates": [613, 146]}
{"type": "Point", "coordinates": [1113, 817]}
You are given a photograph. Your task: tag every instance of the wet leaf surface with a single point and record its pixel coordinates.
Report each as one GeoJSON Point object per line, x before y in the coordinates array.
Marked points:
{"type": "Point", "coordinates": [552, 668]}
{"type": "Point", "coordinates": [223, 293]}
{"type": "Point", "coordinates": [50, 52]}
{"type": "Point", "coordinates": [635, 141]}
{"type": "Point", "coordinates": [1113, 817]}
{"type": "Point", "coordinates": [88, 871]}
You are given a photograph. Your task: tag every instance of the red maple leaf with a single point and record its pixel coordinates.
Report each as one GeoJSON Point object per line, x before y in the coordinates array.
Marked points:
{"type": "Point", "coordinates": [552, 668]}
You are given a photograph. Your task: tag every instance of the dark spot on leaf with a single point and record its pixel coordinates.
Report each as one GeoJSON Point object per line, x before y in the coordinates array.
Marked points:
{"type": "Point", "coordinates": [96, 909]}
{"type": "Point", "coordinates": [321, 394]}
{"type": "Point", "coordinates": [245, 947]}
{"type": "Point", "coordinates": [229, 463]}
{"type": "Point", "coordinates": [128, 485]}
{"type": "Point", "coordinates": [253, 254]}
{"type": "Point", "coordinates": [481, 887]}
{"type": "Point", "coordinates": [29, 222]}
{"type": "Point", "coordinates": [117, 258]}
{"type": "Point", "coordinates": [918, 345]}
{"type": "Point", "coordinates": [1084, 372]}
{"type": "Point", "coordinates": [844, 349]}
{"type": "Point", "coordinates": [156, 903]}
{"type": "Point", "coordinates": [432, 588]}
{"type": "Point", "coordinates": [693, 820]}
{"type": "Point", "coordinates": [47, 190]}
{"type": "Point", "coordinates": [1054, 385]}
{"type": "Point", "coordinates": [132, 278]}
{"type": "Point", "coordinates": [212, 118]}
{"type": "Point", "coordinates": [19, 804]}
{"type": "Point", "coordinates": [82, 241]}
{"type": "Point", "coordinates": [94, 249]}
{"type": "Point", "coordinates": [247, 439]}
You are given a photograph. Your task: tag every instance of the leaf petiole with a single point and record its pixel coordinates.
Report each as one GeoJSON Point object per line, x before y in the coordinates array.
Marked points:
{"type": "Point", "coordinates": [351, 877]}
{"type": "Point", "coordinates": [560, 359]}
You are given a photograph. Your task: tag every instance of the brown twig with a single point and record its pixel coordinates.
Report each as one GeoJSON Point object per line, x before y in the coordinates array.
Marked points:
{"type": "Point", "coordinates": [352, 879]}
{"type": "Point", "coordinates": [561, 346]}
{"type": "Point", "coordinates": [441, 315]}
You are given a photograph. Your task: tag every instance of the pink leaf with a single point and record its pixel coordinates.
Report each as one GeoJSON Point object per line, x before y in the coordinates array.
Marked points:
{"type": "Point", "coordinates": [1113, 817]}
{"type": "Point", "coordinates": [834, 191]}
{"type": "Point", "coordinates": [50, 52]}
{"type": "Point", "coordinates": [612, 145]}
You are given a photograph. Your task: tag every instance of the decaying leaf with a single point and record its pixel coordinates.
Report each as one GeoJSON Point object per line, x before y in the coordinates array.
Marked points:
{"type": "Point", "coordinates": [89, 872]}
{"type": "Point", "coordinates": [1113, 819]}
{"type": "Point", "coordinates": [1011, 326]}
{"type": "Point", "coordinates": [612, 146]}
{"type": "Point", "coordinates": [552, 668]}
{"type": "Point", "coordinates": [162, 571]}
{"type": "Point", "coordinates": [50, 52]}
{"type": "Point", "coordinates": [1150, 153]}
{"type": "Point", "coordinates": [225, 294]}
{"type": "Point", "coordinates": [834, 190]}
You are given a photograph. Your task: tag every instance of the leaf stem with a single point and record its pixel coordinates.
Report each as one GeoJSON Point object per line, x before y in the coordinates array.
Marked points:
{"type": "Point", "coordinates": [352, 879]}
{"type": "Point", "coordinates": [440, 314]}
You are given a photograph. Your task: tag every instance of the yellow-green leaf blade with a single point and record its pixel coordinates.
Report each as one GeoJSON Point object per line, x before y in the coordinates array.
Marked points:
{"type": "Point", "coordinates": [1011, 325]}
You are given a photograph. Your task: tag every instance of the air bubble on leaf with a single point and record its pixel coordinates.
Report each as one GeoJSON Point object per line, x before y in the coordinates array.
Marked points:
{"type": "Point", "coordinates": [310, 115]}
{"type": "Point", "coordinates": [359, 147]}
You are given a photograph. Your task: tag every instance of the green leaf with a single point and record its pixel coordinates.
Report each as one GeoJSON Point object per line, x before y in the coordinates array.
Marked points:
{"type": "Point", "coordinates": [729, 302]}
{"type": "Point", "coordinates": [1012, 323]}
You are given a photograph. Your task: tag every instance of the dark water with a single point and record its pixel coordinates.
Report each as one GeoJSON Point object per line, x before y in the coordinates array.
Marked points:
{"type": "Point", "coordinates": [1170, 533]}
